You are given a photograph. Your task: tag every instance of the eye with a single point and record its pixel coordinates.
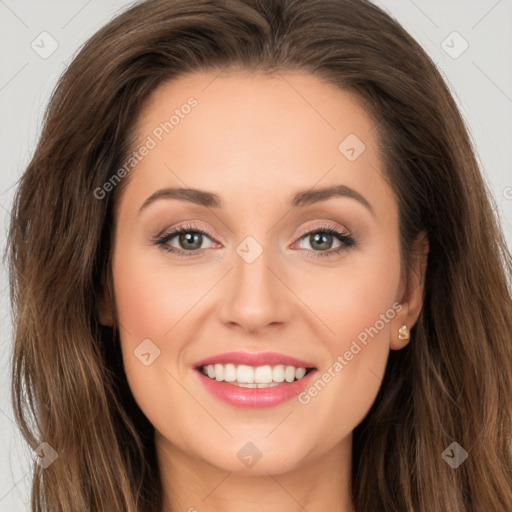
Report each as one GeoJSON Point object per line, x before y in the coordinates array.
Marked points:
{"type": "Point", "coordinates": [189, 240]}
{"type": "Point", "coordinates": [321, 241]}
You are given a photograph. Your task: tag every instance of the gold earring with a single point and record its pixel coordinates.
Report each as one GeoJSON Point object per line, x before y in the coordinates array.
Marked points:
{"type": "Point", "coordinates": [403, 333]}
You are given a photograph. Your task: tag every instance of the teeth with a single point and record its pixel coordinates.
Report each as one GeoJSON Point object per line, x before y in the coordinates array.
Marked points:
{"type": "Point", "coordinates": [250, 377]}
{"type": "Point", "coordinates": [229, 373]}
{"type": "Point", "coordinates": [289, 374]}
{"type": "Point", "coordinates": [299, 373]}
{"type": "Point", "coordinates": [245, 374]}
{"type": "Point", "coordinates": [263, 374]}
{"type": "Point", "coordinates": [218, 371]}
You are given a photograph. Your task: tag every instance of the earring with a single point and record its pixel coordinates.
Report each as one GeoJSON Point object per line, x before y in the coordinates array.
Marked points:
{"type": "Point", "coordinates": [403, 333]}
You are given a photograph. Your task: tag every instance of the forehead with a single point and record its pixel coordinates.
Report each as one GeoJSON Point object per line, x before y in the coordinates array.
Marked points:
{"type": "Point", "coordinates": [281, 109]}
{"type": "Point", "coordinates": [255, 136]}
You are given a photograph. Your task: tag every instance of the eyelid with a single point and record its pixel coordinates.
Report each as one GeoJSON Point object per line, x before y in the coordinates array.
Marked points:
{"type": "Point", "coordinates": [323, 225]}
{"type": "Point", "coordinates": [186, 225]}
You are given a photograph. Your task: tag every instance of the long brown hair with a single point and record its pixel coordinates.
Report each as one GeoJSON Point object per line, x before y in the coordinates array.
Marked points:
{"type": "Point", "coordinates": [453, 383]}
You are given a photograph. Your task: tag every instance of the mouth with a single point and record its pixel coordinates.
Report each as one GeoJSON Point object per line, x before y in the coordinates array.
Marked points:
{"type": "Point", "coordinates": [255, 380]}
{"type": "Point", "coordinates": [247, 376]}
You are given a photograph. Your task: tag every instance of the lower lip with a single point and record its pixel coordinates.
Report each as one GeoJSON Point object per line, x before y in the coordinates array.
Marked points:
{"type": "Point", "coordinates": [255, 397]}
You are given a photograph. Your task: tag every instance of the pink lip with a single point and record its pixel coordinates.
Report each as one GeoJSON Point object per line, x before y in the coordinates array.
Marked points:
{"type": "Point", "coordinates": [261, 359]}
{"type": "Point", "coordinates": [256, 397]}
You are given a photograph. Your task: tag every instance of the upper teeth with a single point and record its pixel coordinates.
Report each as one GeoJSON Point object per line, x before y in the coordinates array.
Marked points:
{"type": "Point", "coordinates": [244, 374]}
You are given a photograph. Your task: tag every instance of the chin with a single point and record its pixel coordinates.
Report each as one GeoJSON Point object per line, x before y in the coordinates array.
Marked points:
{"type": "Point", "coordinates": [253, 457]}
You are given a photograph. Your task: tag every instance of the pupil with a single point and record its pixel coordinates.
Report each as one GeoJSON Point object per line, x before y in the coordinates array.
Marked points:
{"type": "Point", "coordinates": [325, 240]}
{"type": "Point", "coordinates": [189, 239]}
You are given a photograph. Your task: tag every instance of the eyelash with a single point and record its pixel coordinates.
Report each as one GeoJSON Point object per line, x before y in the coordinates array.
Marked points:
{"type": "Point", "coordinates": [346, 240]}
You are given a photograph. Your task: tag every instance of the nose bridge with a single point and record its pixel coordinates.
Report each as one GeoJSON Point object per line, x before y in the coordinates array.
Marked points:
{"type": "Point", "coordinates": [255, 297]}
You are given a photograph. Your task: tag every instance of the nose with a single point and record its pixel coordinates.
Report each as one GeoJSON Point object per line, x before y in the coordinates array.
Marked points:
{"type": "Point", "coordinates": [256, 296]}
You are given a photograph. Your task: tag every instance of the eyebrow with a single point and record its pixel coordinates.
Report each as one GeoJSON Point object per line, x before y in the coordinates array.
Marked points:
{"type": "Point", "coordinates": [211, 200]}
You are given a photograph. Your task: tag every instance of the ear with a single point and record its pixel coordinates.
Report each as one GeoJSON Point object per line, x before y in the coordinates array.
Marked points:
{"type": "Point", "coordinates": [104, 307]}
{"type": "Point", "coordinates": [412, 288]}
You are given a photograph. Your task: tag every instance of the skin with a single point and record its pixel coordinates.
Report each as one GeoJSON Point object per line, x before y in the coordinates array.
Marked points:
{"type": "Point", "coordinates": [256, 141]}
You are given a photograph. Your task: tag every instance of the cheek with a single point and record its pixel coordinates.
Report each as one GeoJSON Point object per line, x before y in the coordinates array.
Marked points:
{"type": "Point", "coordinates": [151, 298]}
{"type": "Point", "coordinates": [358, 306]}
{"type": "Point", "coordinates": [357, 296]}
{"type": "Point", "coordinates": [155, 305]}
{"type": "Point", "coordinates": [147, 308]}
{"type": "Point", "coordinates": [149, 305]}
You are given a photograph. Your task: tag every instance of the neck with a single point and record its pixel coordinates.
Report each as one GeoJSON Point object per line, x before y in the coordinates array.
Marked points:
{"type": "Point", "coordinates": [192, 485]}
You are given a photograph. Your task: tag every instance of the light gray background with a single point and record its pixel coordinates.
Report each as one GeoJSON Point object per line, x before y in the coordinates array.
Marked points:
{"type": "Point", "coordinates": [480, 79]}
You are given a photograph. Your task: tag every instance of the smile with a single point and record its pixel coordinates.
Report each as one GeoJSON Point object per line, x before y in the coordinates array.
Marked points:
{"type": "Point", "coordinates": [243, 379]}
{"type": "Point", "coordinates": [254, 377]}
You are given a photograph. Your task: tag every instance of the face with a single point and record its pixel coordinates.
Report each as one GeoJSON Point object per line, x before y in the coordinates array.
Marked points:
{"type": "Point", "coordinates": [258, 277]}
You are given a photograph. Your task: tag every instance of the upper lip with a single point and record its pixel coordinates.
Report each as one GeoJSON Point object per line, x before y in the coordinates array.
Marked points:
{"type": "Point", "coordinates": [254, 359]}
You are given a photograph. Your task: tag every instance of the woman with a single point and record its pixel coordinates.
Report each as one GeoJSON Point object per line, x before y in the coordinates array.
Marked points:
{"type": "Point", "coordinates": [254, 265]}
